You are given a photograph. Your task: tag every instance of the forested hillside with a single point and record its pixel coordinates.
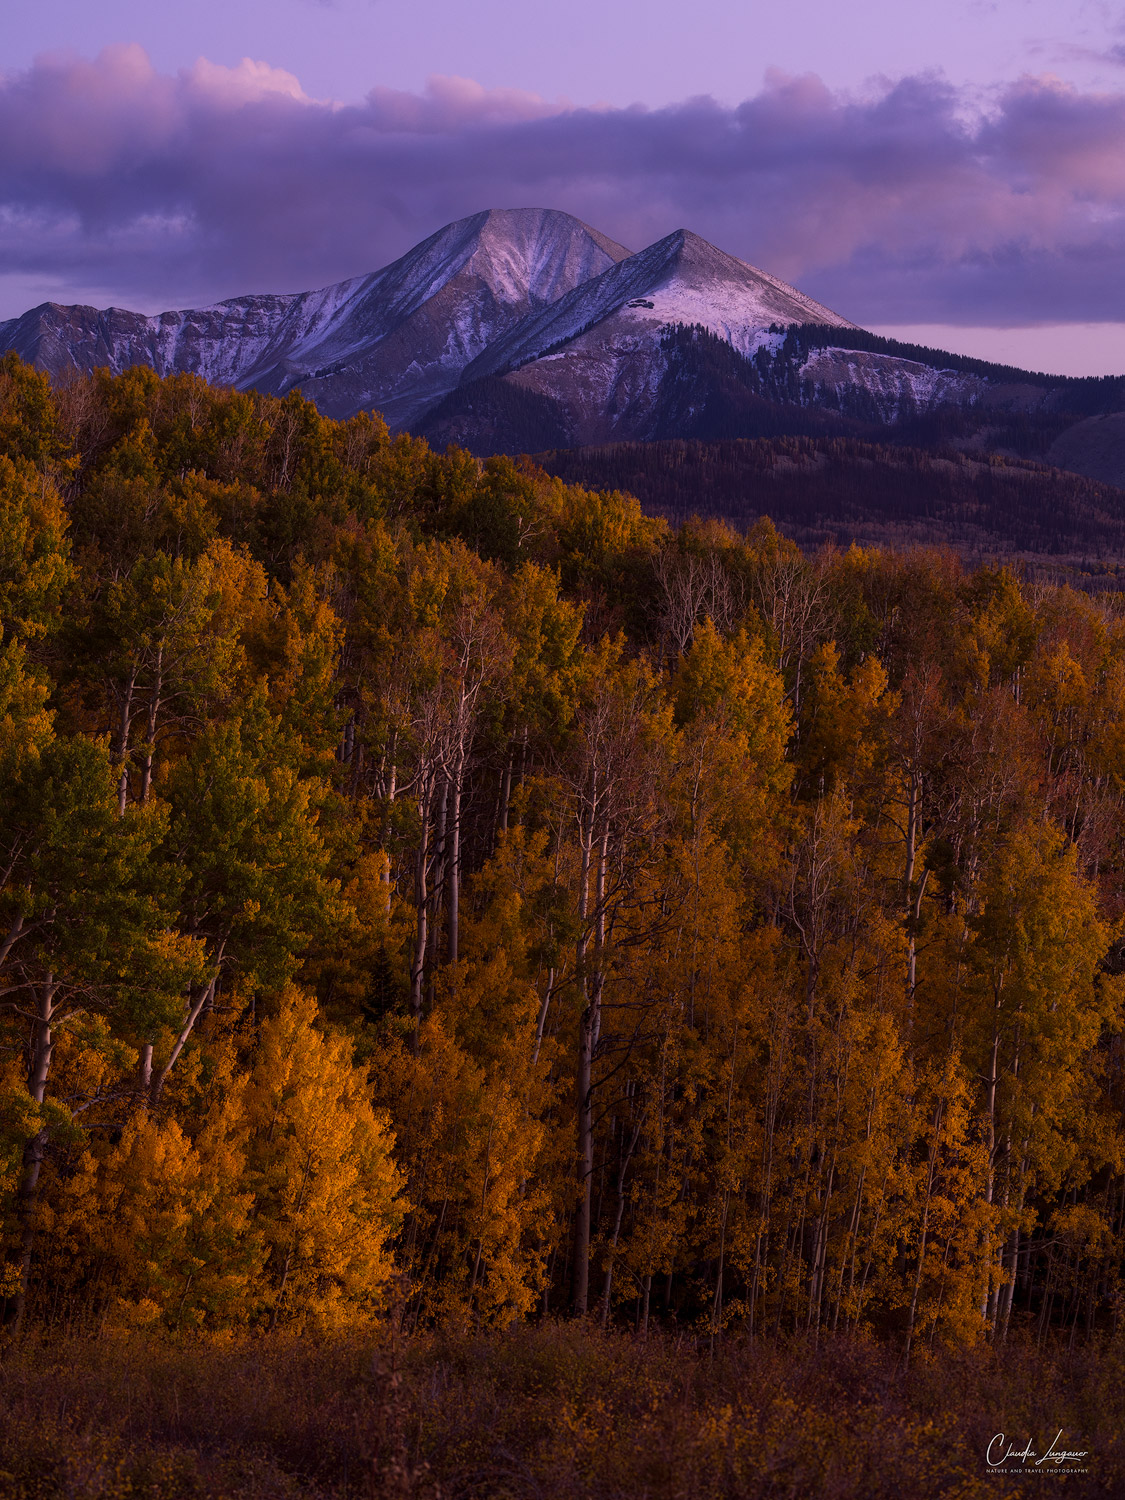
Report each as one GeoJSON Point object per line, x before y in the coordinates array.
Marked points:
{"type": "Point", "coordinates": [835, 490]}
{"type": "Point", "coordinates": [428, 884]}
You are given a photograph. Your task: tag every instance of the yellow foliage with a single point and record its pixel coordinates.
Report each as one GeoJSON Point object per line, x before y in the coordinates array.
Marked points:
{"type": "Point", "coordinates": [326, 1190]}
{"type": "Point", "coordinates": [279, 1207]}
{"type": "Point", "coordinates": [160, 1222]}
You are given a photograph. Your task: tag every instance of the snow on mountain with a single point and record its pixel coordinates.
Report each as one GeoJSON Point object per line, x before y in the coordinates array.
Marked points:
{"type": "Point", "coordinates": [397, 339]}
{"type": "Point", "coordinates": [402, 337]}
{"type": "Point", "coordinates": [897, 387]}
{"type": "Point", "coordinates": [215, 342]}
{"type": "Point", "coordinates": [679, 279]}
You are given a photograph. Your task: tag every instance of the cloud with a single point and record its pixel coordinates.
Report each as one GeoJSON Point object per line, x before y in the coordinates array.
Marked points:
{"type": "Point", "coordinates": [909, 205]}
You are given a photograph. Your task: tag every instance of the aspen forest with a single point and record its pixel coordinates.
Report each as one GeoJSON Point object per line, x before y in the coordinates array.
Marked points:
{"type": "Point", "coordinates": [621, 974]}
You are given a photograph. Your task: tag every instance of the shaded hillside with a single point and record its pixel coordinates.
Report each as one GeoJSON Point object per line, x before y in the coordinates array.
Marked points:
{"type": "Point", "coordinates": [808, 380]}
{"type": "Point", "coordinates": [1094, 447]}
{"type": "Point", "coordinates": [843, 490]}
{"type": "Point", "coordinates": [698, 386]}
{"type": "Point", "coordinates": [1070, 422]}
{"type": "Point", "coordinates": [980, 403]}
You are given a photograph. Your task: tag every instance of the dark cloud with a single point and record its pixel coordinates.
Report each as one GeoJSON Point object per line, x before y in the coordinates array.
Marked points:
{"type": "Point", "coordinates": [902, 207]}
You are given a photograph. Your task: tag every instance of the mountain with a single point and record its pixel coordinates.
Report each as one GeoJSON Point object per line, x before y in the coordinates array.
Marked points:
{"type": "Point", "coordinates": [518, 330]}
{"type": "Point", "coordinates": [599, 353]}
{"type": "Point", "coordinates": [397, 339]}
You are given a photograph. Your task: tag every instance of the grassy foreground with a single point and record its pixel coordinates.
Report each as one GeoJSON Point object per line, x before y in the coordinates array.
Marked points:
{"type": "Point", "coordinates": [545, 1413]}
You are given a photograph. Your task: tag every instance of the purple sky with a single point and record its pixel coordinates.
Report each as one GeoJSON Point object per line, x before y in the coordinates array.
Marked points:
{"type": "Point", "coordinates": [960, 169]}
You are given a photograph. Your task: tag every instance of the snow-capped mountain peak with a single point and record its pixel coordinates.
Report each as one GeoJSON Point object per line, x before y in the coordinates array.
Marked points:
{"type": "Point", "coordinates": [679, 279]}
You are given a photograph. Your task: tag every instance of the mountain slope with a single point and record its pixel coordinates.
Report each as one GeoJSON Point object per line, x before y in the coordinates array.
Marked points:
{"type": "Point", "coordinates": [804, 379]}
{"type": "Point", "coordinates": [676, 381]}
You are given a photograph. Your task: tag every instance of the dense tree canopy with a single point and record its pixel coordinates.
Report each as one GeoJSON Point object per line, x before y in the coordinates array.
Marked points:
{"type": "Point", "coordinates": [421, 873]}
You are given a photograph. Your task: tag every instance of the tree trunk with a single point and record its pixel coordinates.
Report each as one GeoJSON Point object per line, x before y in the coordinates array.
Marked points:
{"type": "Point", "coordinates": [505, 794]}
{"type": "Point", "coordinates": [585, 1161]}
{"type": "Point", "coordinates": [607, 1289]}
{"type": "Point", "coordinates": [154, 703]}
{"type": "Point", "coordinates": [544, 1007]}
{"type": "Point", "coordinates": [203, 994]}
{"type": "Point", "coordinates": [42, 1045]}
{"type": "Point", "coordinates": [931, 1168]}
{"type": "Point", "coordinates": [453, 875]}
{"type": "Point", "coordinates": [717, 1299]}
{"type": "Point", "coordinates": [421, 907]}
{"type": "Point", "coordinates": [122, 747]}
{"type": "Point", "coordinates": [1009, 1289]}
{"type": "Point", "coordinates": [437, 885]}
{"type": "Point", "coordinates": [585, 1107]}
{"type": "Point", "coordinates": [988, 1298]}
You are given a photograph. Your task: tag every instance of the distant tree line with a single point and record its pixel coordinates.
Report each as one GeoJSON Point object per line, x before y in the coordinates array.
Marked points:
{"type": "Point", "coordinates": [838, 489]}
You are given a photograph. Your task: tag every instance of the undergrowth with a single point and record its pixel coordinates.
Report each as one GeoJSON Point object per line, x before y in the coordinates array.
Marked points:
{"type": "Point", "coordinates": [548, 1413]}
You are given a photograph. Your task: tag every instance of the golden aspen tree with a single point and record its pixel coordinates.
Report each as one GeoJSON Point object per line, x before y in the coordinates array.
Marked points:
{"type": "Point", "coordinates": [320, 1169]}
{"type": "Point", "coordinates": [470, 1144]}
{"type": "Point", "coordinates": [612, 787]}
{"type": "Point", "coordinates": [1039, 1004]}
{"type": "Point", "coordinates": [845, 720]}
{"type": "Point", "coordinates": [545, 676]}
{"type": "Point", "coordinates": [158, 1226]}
{"type": "Point", "coordinates": [162, 649]}
{"type": "Point", "coordinates": [35, 565]}
{"type": "Point", "coordinates": [31, 424]}
{"type": "Point", "coordinates": [26, 722]}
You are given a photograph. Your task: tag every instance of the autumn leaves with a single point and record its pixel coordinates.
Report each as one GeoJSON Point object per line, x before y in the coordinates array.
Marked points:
{"type": "Point", "coordinates": [422, 882]}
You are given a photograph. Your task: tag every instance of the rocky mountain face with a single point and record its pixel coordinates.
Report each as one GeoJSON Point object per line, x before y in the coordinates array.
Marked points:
{"type": "Point", "coordinates": [522, 330]}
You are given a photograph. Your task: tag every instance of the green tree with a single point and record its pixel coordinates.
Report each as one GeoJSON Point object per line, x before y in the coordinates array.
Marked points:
{"type": "Point", "coordinates": [87, 911]}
